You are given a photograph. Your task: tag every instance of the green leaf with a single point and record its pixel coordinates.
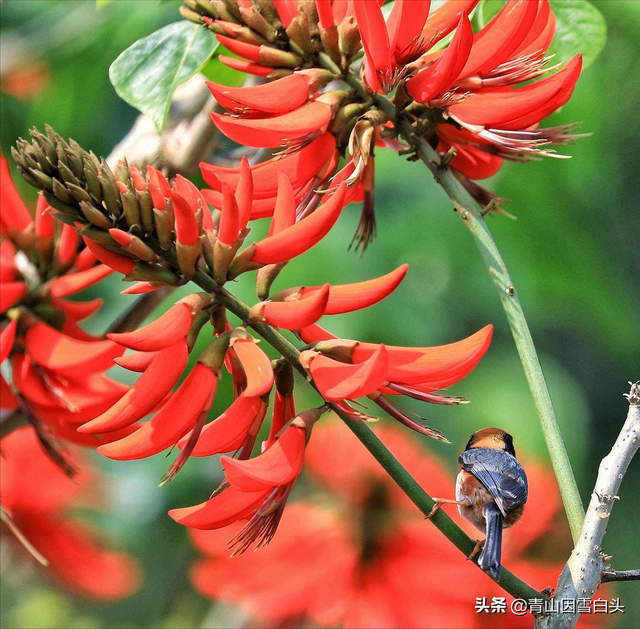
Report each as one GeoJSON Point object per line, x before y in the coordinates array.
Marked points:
{"type": "Point", "coordinates": [580, 27]}
{"type": "Point", "coordinates": [147, 73]}
{"type": "Point", "coordinates": [218, 72]}
{"type": "Point", "coordinates": [102, 3]}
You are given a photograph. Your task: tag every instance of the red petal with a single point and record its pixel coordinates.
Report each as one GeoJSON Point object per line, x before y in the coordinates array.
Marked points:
{"type": "Point", "coordinates": [293, 315]}
{"type": "Point", "coordinates": [229, 218]}
{"type": "Point", "coordinates": [119, 263]}
{"type": "Point", "coordinates": [44, 219]}
{"type": "Point", "coordinates": [141, 288]}
{"type": "Point", "coordinates": [300, 167]}
{"type": "Point", "coordinates": [187, 231]}
{"type": "Point", "coordinates": [410, 365]}
{"type": "Point", "coordinates": [495, 43]}
{"type": "Point", "coordinates": [536, 32]}
{"type": "Point", "coordinates": [373, 31]}
{"type": "Point", "coordinates": [280, 130]}
{"type": "Point", "coordinates": [276, 97]}
{"type": "Point", "coordinates": [256, 365]}
{"type": "Point", "coordinates": [67, 245]}
{"type": "Point", "coordinates": [300, 237]}
{"type": "Point", "coordinates": [7, 337]}
{"type": "Point", "coordinates": [84, 260]}
{"type": "Point", "coordinates": [240, 48]}
{"type": "Point", "coordinates": [287, 10]}
{"type": "Point", "coordinates": [148, 391]}
{"type": "Point", "coordinates": [405, 24]}
{"type": "Point", "coordinates": [444, 19]}
{"type": "Point", "coordinates": [495, 108]}
{"type": "Point", "coordinates": [314, 333]}
{"type": "Point", "coordinates": [349, 297]}
{"type": "Point", "coordinates": [340, 381]}
{"type": "Point", "coordinates": [137, 361]}
{"type": "Point", "coordinates": [284, 214]}
{"type": "Point", "coordinates": [245, 66]}
{"type": "Point", "coordinates": [277, 466]}
{"type": "Point", "coordinates": [168, 329]}
{"type": "Point", "coordinates": [13, 211]}
{"type": "Point", "coordinates": [78, 310]}
{"type": "Point", "coordinates": [68, 356]}
{"type": "Point", "coordinates": [75, 282]}
{"type": "Point", "coordinates": [223, 509]}
{"type": "Point", "coordinates": [473, 162]}
{"type": "Point", "coordinates": [438, 78]}
{"type": "Point", "coordinates": [544, 39]}
{"type": "Point", "coordinates": [325, 13]}
{"type": "Point", "coordinates": [171, 422]}
{"type": "Point", "coordinates": [10, 293]}
{"type": "Point", "coordinates": [229, 430]}
{"type": "Point", "coordinates": [8, 401]}
{"type": "Point", "coordinates": [244, 193]}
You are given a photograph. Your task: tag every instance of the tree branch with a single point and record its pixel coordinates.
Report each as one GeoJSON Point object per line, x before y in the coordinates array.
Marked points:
{"type": "Point", "coordinates": [501, 279]}
{"type": "Point", "coordinates": [620, 575]}
{"type": "Point", "coordinates": [584, 572]}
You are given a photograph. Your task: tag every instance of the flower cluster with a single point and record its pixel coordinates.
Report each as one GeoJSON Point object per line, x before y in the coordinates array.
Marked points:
{"type": "Point", "coordinates": [35, 496]}
{"type": "Point", "coordinates": [57, 369]}
{"type": "Point", "coordinates": [362, 556]}
{"type": "Point", "coordinates": [160, 233]}
{"type": "Point", "coordinates": [465, 98]}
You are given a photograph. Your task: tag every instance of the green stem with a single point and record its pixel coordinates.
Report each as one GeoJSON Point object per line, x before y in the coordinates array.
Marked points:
{"type": "Point", "coordinates": [499, 275]}
{"type": "Point", "coordinates": [508, 581]}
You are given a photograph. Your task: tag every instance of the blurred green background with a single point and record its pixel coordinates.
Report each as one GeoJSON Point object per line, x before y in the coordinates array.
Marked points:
{"type": "Point", "coordinates": [573, 254]}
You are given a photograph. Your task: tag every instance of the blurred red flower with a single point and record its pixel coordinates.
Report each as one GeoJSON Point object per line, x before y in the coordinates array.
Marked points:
{"type": "Point", "coordinates": [370, 559]}
{"type": "Point", "coordinates": [36, 493]}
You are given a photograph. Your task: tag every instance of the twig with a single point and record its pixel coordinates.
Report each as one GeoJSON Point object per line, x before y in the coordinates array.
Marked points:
{"type": "Point", "coordinates": [620, 575]}
{"type": "Point", "coordinates": [584, 572]}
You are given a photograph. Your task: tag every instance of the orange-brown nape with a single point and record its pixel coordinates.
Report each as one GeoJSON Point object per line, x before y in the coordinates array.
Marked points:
{"type": "Point", "coordinates": [493, 438]}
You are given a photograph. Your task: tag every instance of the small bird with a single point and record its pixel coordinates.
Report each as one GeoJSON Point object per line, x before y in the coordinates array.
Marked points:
{"type": "Point", "coordinates": [491, 491]}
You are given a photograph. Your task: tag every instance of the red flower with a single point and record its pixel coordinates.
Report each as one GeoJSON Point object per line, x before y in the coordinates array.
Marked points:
{"type": "Point", "coordinates": [361, 559]}
{"type": "Point", "coordinates": [36, 493]}
{"type": "Point", "coordinates": [56, 368]}
{"type": "Point", "coordinates": [345, 370]}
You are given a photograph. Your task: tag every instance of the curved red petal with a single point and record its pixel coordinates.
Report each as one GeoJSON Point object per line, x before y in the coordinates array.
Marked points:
{"type": "Point", "coordinates": [171, 422]}
{"type": "Point", "coordinates": [223, 509]}
{"type": "Point", "coordinates": [245, 66]}
{"type": "Point", "coordinates": [257, 367]}
{"type": "Point", "coordinates": [68, 356]}
{"type": "Point", "coordinates": [141, 288]}
{"type": "Point", "coordinates": [187, 231]}
{"type": "Point", "coordinates": [78, 310]}
{"type": "Point", "coordinates": [7, 336]}
{"type": "Point", "coordinates": [349, 297]}
{"type": "Point", "coordinates": [229, 217]}
{"type": "Point", "coordinates": [277, 131]}
{"type": "Point", "coordinates": [168, 329]}
{"type": "Point", "coordinates": [314, 333]}
{"type": "Point", "coordinates": [444, 19]}
{"type": "Point", "coordinates": [278, 465]}
{"type": "Point", "coordinates": [293, 315]}
{"type": "Point", "coordinates": [138, 361]}
{"type": "Point", "coordinates": [228, 431]}
{"type": "Point", "coordinates": [276, 97]}
{"type": "Point", "coordinates": [147, 392]}
{"type": "Point", "coordinates": [284, 214]}
{"type": "Point", "coordinates": [75, 282]}
{"type": "Point", "coordinates": [10, 293]}
{"type": "Point", "coordinates": [411, 365]}
{"type": "Point", "coordinates": [298, 238]}
{"type": "Point", "coordinates": [339, 381]}
{"type": "Point", "coordinates": [13, 211]}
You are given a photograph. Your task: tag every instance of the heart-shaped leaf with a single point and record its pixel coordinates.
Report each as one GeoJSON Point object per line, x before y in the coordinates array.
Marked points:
{"type": "Point", "coordinates": [147, 73]}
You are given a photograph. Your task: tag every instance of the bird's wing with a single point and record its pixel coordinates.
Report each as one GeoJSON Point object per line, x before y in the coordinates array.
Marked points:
{"type": "Point", "coordinates": [500, 473]}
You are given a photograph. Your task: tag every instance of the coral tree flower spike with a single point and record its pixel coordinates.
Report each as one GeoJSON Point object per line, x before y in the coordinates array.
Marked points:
{"type": "Point", "coordinates": [292, 315]}
{"type": "Point", "coordinates": [278, 465]}
{"type": "Point", "coordinates": [168, 329]}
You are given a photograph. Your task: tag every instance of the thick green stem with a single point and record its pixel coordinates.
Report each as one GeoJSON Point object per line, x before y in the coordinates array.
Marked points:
{"type": "Point", "coordinates": [508, 581]}
{"type": "Point", "coordinates": [499, 275]}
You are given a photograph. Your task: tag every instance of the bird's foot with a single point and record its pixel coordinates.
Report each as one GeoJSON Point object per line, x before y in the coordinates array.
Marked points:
{"type": "Point", "coordinates": [477, 548]}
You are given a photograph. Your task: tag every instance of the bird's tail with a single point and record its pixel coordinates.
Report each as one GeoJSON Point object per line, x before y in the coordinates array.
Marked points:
{"type": "Point", "coordinates": [489, 560]}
